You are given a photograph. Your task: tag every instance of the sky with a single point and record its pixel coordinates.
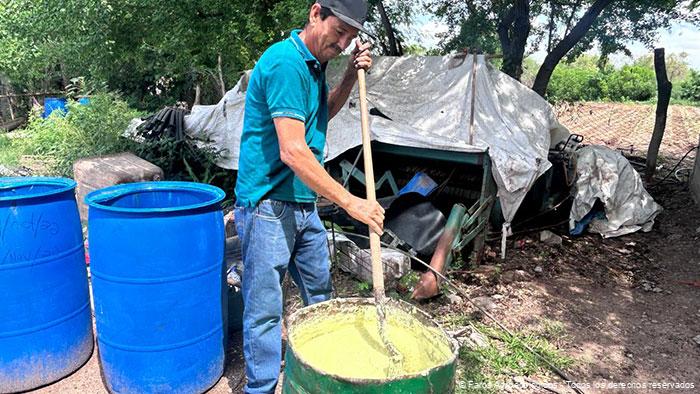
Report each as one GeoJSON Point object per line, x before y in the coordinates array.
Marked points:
{"type": "Point", "coordinates": [682, 37]}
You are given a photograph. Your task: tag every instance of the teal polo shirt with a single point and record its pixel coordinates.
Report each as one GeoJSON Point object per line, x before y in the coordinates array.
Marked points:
{"type": "Point", "coordinates": [288, 81]}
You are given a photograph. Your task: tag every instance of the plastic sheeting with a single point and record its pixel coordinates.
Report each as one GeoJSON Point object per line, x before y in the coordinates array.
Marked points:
{"type": "Point", "coordinates": [428, 100]}
{"type": "Point", "coordinates": [604, 174]}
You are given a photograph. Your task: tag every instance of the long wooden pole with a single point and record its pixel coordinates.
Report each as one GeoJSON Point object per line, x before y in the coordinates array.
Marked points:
{"type": "Point", "coordinates": [664, 88]}
{"type": "Point", "coordinates": [374, 245]}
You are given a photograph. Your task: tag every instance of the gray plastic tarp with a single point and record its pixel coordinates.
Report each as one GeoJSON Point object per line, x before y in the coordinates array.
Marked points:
{"type": "Point", "coordinates": [604, 174]}
{"type": "Point", "coordinates": [429, 101]}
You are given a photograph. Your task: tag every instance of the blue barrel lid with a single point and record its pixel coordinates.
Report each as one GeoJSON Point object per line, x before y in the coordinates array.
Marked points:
{"type": "Point", "coordinates": [21, 188]}
{"type": "Point", "coordinates": [100, 199]}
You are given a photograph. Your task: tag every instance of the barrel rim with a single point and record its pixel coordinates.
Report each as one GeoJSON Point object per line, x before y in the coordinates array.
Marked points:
{"type": "Point", "coordinates": [403, 305]}
{"type": "Point", "coordinates": [96, 198]}
{"type": "Point", "coordinates": [64, 185]}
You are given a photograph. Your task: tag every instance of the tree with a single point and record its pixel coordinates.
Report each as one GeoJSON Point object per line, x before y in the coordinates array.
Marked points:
{"type": "Point", "coordinates": [513, 30]}
{"type": "Point", "coordinates": [676, 65]}
{"type": "Point", "coordinates": [578, 31]}
{"type": "Point", "coordinates": [570, 27]}
{"type": "Point", "coordinates": [154, 51]}
{"type": "Point", "coordinates": [383, 19]}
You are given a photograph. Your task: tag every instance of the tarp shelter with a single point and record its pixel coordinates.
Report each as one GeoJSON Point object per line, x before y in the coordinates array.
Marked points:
{"type": "Point", "coordinates": [451, 103]}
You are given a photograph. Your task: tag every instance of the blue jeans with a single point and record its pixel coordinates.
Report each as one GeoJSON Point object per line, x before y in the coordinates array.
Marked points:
{"type": "Point", "coordinates": [277, 237]}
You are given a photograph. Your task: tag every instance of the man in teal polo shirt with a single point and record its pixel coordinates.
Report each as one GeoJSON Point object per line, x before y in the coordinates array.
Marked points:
{"type": "Point", "coordinates": [280, 174]}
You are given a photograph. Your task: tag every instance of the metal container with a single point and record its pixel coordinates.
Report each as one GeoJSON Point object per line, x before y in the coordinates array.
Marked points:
{"type": "Point", "coordinates": [157, 255]}
{"type": "Point", "coordinates": [45, 322]}
{"type": "Point", "coordinates": [302, 378]}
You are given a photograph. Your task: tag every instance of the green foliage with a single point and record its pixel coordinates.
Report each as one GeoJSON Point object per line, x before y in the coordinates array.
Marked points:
{"type": "Point", "coordinates": [409, 280]}
{"type": "Point", "coordinates": [153, 51]}
{"type": "Point", "coordinates": [690, 88]}
{"type": "Point", "coordinates": [475, 23]}
{"type": "Point", "coordinates": [9, 153]}
{"type": "Point", "coordinates": [186, 160]}
{"type": "Point", "coordinates": [364, 288]}
{"type": "Point", "coordinates": [87, 130]}
{"type": "Point", "coordinates": [677, 68]}
{"type": "Point", "coordinates": [400, 14]}
{"type": "Point", "coordinates": [582, 81]}
{"type": "Point", "coordinates": [635, 83]}
{"type": "Point", "coordinates": [575, 84]}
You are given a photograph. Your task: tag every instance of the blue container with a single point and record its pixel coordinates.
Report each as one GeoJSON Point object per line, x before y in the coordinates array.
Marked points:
{"type": "Point", "coordinates": [157, 263]}
{"type": "Point", "coordinates": [45, 322]}
{"type": "Point", "coordinates": [52, 104]}
{"type": "Point", "coordinates": [420, 183]}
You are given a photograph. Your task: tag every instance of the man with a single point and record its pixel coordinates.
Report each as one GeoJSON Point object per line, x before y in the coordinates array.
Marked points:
{"type": "Point", "coordinates": [280, 173]}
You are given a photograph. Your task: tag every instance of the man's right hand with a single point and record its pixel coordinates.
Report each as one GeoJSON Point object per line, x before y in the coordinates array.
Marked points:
{"type": "Point", "coordinates": [369, 213]}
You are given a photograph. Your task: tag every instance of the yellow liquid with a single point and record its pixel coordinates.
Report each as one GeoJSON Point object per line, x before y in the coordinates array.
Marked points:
{"type": "Point", "coordinates": [347, 343]}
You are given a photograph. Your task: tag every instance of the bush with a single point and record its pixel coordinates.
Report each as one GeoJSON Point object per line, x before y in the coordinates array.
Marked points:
{"type": "Point", "coordinates": [690, 88]}
{"type": "Point", "coordinates": [87, 130]}
{"type": "Point", "coordinates": [8, 152]}
{"type": "Point", "coordinates": [184, 161]}
{"type": "Point", "coordinates": [635, 83]}
{"type": "Point", "coordinates": [575, 84]}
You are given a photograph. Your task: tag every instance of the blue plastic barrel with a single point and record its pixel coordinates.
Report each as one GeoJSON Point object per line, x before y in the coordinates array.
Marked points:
{"type": "Point", "coordinates": [45, 322]}
{"type": "Point", "coordinates": [52, 104]}
{"type": "Point", "coordinates": [157, 263]}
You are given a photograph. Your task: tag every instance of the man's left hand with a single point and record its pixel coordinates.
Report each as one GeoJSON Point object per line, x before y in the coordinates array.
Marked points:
{"type": "Point", "coordinates": [360, 56]}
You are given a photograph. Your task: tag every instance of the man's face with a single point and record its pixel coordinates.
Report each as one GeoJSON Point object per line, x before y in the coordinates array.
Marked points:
{"type": "Point", "coordinates": [332, 36]}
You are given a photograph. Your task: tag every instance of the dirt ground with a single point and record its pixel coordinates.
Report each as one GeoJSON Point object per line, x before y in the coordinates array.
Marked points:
{"type": "Point", "coordinates": [628, 126]}
{"type": "Point", "coordinates": [629, 307]}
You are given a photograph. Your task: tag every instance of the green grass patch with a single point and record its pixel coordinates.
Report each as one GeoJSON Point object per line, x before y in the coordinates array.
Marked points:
{"type": "Point", "coordinates": [505, 357]}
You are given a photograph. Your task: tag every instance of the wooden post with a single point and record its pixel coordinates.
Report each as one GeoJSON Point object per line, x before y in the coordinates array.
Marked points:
{"type": "Point", "coordinates": [197, 94]}
{"type": "Point", "coordinates": [664, 87]}
{"type": "Point", "coordinates": [471, 115]}
{"type": "Point", "coordinates": [221, 76]}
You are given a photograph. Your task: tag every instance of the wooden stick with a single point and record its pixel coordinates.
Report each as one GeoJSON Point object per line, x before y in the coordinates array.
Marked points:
{"type": "Point", "coordinates": [471, 116]}
{"type": "Point", "coordinates": [374, 242]}
{"type": "Point", "coordinates": [374, 246]}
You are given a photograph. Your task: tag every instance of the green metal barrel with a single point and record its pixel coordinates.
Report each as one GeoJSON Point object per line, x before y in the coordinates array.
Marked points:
{"type": "Point", "coordinates": [302, 378]}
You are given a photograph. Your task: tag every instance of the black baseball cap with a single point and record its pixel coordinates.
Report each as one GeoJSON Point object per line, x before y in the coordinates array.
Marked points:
{"type": "Point", "coordinates": [352, 12]}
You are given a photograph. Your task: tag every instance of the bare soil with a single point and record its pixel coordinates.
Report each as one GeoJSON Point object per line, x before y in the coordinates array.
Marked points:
{"type": "Point", "coordinates": [629, 306]}
{"type": "Point", "coordinates": [628, 126]}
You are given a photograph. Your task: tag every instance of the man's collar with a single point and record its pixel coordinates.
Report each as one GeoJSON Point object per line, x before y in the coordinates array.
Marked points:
{"type": "Point", "coordinates": [309, 58]}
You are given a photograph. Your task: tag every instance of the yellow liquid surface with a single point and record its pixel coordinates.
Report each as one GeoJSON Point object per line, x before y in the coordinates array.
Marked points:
{"type": "Point", "coordinates": [347, 343]}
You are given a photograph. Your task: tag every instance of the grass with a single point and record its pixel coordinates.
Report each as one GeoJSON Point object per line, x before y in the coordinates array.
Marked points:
{"type": "Point", "coordinates": [9, 154]}
{"type": "Point", "coordinates": [481, 370]}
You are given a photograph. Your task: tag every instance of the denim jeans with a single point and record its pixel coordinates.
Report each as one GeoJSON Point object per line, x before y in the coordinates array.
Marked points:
{"type": "Point", "coordinates": [277, 237]}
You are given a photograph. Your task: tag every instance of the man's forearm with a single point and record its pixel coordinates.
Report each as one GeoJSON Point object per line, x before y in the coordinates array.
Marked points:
{"type": "Point", "coordinates": [298, 157]}
{"type": "Point", "coordinates": [339, 94]}
{"type": "Point", "coordinates": [310, 171]}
